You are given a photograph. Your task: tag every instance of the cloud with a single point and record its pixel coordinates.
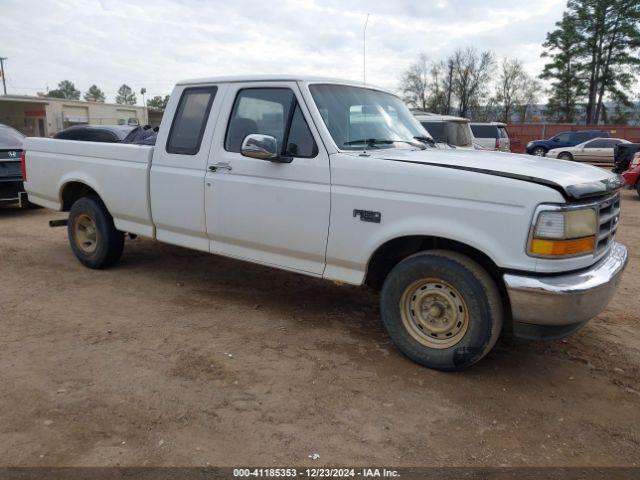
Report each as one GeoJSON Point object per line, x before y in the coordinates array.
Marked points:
{"type": "Point", "coordinates": [154, 44]}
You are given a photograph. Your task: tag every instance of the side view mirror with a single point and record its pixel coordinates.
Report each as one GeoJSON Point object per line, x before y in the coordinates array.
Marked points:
{"type": "Point", "coordinates": [262, 147]}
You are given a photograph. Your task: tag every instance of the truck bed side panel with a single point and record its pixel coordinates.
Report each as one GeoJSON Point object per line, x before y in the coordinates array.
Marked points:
{"type": "Point", "coordinates": [118, 173]}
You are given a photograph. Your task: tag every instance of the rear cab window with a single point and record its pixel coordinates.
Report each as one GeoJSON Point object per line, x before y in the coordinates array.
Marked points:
{"type": "Point", "coordinates": [190, 120]}
{"type": "Point", "coordinates": [450, 132]}
{"type": "Point", "coordinates": [485, 131]}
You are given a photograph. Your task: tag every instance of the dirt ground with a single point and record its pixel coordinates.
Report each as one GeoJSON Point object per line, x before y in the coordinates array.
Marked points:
{"type": "Point", "coordinates": [176, 357]}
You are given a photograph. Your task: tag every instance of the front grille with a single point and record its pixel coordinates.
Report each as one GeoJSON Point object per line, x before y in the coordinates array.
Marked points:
{"type": "Point", "coordinates": [608, 218]}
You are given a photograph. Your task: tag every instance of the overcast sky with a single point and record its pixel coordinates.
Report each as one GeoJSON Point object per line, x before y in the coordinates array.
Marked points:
{"type": "Point", "coordinates": [111, 42]}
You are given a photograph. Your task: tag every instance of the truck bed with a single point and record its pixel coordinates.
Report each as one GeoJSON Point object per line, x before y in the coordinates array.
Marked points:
{"type": "Point", "coordinates": [119, 174]}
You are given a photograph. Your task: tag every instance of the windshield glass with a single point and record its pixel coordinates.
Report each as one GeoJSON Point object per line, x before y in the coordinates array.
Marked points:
{"type": "Point", "coordinates": [453, 133]}
{"type": "Point", "coordinates": [360, 118]}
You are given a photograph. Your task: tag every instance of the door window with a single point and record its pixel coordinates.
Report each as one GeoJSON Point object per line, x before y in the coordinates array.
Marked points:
{"type": "Point", "coordinates": [563, 137]}
{"type": "Point", "coordinates": [190, 120]}
{"type": "Point", "coordinates": [596, 144]}
{"type": "Point", "coordinates": [274, 112]}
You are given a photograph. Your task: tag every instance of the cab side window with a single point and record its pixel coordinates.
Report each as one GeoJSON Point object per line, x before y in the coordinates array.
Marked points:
{"type": "Point", "coordinates": [274, 112]}
{"type": "Point", "coordinates": [190, 120]}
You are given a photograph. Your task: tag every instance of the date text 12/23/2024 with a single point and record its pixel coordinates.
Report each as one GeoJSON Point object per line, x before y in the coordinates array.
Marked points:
{"type": "Point", "coordinates": [314, 473]}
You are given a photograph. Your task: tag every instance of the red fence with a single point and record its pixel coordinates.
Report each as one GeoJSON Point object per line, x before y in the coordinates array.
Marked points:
{"type": "Point", "coordinates": [522, 133]}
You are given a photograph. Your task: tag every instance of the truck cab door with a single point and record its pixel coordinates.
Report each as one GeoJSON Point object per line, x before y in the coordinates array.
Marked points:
{"type": "Point", "coordinates": [180, 157]}
{"type": "Point", "coordinates": [267, 211]}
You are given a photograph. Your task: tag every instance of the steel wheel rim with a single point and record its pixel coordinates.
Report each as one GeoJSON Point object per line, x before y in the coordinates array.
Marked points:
{"type": "Point", "coordinates": [538, 152]}
{"type": "Point", "coordinates": [434, 313]}
{"type": "Point", "coordinates": [85, 233]}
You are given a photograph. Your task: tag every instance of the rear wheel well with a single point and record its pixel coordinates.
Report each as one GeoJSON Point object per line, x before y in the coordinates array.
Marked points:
{"type": "Point", "coordinates": [389, 254]}
{"type": "Point", "coordinates": [73, 191]}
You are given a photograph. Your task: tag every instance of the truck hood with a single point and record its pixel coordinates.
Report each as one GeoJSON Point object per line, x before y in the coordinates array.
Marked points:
{"type": "Point", "coordinates": [573, 180]}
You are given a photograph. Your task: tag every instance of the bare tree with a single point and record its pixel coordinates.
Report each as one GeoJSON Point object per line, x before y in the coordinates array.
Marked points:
{"type": "Point", "coordinates": [471, 75]}
{"type": "Point", "coordinates": [510, 86]}
{"type": "Point", "coordinates": [415, 83]}
{"type": "Point", "coordinates": [441, 87]}
{"type": "Point", "coordinates": [530, 95]}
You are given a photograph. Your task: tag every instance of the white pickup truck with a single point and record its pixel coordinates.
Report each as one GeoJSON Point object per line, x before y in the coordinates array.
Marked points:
{"type": "Point", "coordinates": [337, 180]}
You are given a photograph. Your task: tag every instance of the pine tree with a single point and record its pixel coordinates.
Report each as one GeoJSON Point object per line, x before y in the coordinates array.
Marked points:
{"type": "Point", "coordinates": [126, 96]}
{"type": "Point", "coordinates": [158, 102]}
{"type": "Point", "coordinates": [564, 69]}
{"type": "Point", "coordinates": [94, 94]}
{"type": "Point", "coordinates": [595, 54]}
{"type": "Point", "coordinates": [610, 30]}
{"type": "Point", "coordinates": [66, 89]}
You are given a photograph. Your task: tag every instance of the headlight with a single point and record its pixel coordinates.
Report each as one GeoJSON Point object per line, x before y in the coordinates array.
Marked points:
{"type": "Point", "coordinates": [563, 232]}
{"type": "Point", "coordinates": [529, 144]}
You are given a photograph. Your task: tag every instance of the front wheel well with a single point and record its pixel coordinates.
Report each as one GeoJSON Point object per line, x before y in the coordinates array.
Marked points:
{"type": "Point", "coordinates": [73, 191]}
{"type": "Point", "coordinates": [389, 254]}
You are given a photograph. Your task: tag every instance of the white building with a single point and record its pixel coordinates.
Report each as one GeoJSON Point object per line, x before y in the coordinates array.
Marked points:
{"type": "Point", "coordinates": [44, 116]}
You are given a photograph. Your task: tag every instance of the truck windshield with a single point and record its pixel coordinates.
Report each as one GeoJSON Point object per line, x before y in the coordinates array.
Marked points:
{"type": "Point", "coordinates": [361, 118]}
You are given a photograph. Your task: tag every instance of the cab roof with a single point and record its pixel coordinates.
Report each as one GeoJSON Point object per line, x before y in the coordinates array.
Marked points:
{"type": "Point", "coordinates": [280, 78]}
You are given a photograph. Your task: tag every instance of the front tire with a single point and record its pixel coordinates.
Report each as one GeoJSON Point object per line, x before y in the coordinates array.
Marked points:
{"type": "Point", "coordinates": [441, 309]}
{"type": "Point", "coordinates": [539, 152]}
{"type": "Point", "coordinates": [565, 156]}
{"type": "Point", "coordinates": [638, 188]}
{"type": "Point", "coordinates": [93, 237]}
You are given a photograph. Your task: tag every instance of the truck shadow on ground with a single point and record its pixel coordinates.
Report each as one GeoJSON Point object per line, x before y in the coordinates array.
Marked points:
{"type": "Point", "coordinates": [202, 281]}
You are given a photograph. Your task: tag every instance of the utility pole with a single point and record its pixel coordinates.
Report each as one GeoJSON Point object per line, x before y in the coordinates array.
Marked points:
{"type": "Point", "coordinates": [364, 51]}
{"type": "Point", "coordinates": [4, 81]}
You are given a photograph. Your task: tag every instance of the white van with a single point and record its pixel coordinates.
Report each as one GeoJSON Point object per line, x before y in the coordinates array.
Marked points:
{"type": "Point", "coordinates": [447, 129]}
{"type": "Point", "coordinates": [491, 136]}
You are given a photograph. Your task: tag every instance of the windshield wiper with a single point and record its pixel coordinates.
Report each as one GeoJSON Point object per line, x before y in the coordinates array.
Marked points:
{"type": "Point", "coordinates": [372, 142]}
{"type": "Point", "coordinates": [427, 140]}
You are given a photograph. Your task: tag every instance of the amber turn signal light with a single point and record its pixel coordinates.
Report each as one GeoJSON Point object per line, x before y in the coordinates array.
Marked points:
{"type": "Point", "coordinates": [560, 248]}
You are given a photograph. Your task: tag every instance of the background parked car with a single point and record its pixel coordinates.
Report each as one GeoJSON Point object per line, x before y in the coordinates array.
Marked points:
{"type": "Point", "coordinates": [10, 169]}
{"type": "Point", "coordinates": [564, 139]}
{"type": "Point", "coordinates": [491, 136]}
{"type": "Point", "coordinates": [632, 175]}
{"type": "Point", "coordinates": [597, 151]}
{"type": "Point", "coordinates": [446, 129]}
{"type": "Point", "coordinates": [95, 133]}
{"type": "Point", "coordinates": [622, 155]}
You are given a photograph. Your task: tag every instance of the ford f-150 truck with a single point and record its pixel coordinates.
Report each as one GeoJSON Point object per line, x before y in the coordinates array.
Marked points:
{"type": "Point", "coordinates": [337, 180]}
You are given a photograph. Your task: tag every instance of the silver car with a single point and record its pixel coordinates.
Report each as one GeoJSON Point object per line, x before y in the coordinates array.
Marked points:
{"type": "Point", "coordinates": [597, 151]}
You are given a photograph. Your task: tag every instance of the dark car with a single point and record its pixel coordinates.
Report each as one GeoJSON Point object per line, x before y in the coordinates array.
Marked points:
{"type": "Point", "coordinates": [563, 139]}
{"type": "Point", "coordinates": [95, 133]}
{"type": "Point", "coordinates": [622, 156]}
{"type": "Point", "coordinates": [11, 188]}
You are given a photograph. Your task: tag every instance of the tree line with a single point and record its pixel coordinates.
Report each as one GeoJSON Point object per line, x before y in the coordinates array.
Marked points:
{"type": "Point", "coordinates": [125, 95]}
{"type": "Point", "coordinates": [593, 58]}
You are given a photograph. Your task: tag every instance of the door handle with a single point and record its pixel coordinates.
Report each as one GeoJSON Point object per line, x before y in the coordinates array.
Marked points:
{"type": "Point", "coordinates": [220, 166]}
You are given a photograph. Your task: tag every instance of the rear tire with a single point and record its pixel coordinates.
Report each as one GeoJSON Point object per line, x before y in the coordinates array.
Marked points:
{"type": "Point", "coordinates": [638, 188]}
{"type": "Point", "coordinates": [93, 237]}
{"type": "Point", "coordinates": [441, 309]}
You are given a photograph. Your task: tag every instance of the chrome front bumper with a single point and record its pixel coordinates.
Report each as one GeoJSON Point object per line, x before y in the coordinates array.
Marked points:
{"type": "Point", "coordinates": [567, 299]}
